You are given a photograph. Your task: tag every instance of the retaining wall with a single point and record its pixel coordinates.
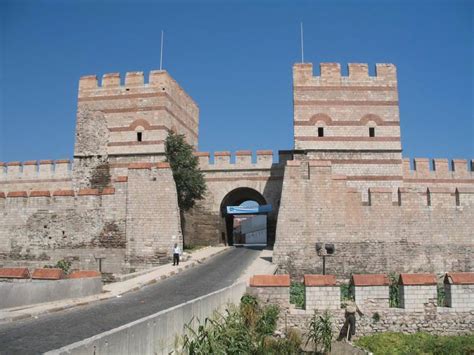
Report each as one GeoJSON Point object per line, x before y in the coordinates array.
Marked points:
{"type": "Point", "coordinates": [157, 333]}
{"type": "Point", "coordinates": [24, 292]}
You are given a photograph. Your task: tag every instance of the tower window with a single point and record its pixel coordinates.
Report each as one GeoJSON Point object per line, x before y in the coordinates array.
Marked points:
{"type": "Point", "coordinates": [320, 131]}
{"type": "Point", "coordinates": [139, 136]}
{"type": "Point", "coordinates": [371, 132]}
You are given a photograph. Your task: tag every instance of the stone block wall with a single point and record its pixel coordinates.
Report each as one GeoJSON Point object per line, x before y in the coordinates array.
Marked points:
{"type": "Point", "coordinates": [459, 291]}
{"type": "Point", "coordinates": [321, 292]}
{"type": "Point", "coordinates": [417, 290]}
{"type": "Point", "coordinates": [460, 297]}
{"type": "Point", "coordinates": [271, 289]}
{"type": "Point", "coordinates": [371, 290]}
{"type": "Point", "coordinates": [380, 230]}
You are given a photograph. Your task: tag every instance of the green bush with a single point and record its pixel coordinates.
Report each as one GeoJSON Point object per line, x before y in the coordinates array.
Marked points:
{"type": "Point", "coordinates": [246, 329]}
{"type": "Point", "coordinates": [297, 294]}
{"type": "Point", "coordinates": [418, 343]}
{"type": "Point", "coordinates": [441, 296]}
{"type": "Point", "coordinates": [64, 265]}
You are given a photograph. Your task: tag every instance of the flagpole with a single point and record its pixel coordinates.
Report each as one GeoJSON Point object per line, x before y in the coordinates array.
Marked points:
{"type": "Point", "coordinates": [302, 45]}
{"type": "Point", "coordinates": [161, 51]}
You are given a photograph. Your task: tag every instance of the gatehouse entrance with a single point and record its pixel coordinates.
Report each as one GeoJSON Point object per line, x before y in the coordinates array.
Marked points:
{"type": "Point", "coordinates": [245, 212]}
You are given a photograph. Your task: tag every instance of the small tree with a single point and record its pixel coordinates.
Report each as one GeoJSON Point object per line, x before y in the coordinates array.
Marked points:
{"type": "Point", "coordinates": [189, 180]}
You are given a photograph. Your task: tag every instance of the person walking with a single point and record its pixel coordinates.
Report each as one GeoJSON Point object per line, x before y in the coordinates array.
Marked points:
{"type": "Point", "coordinates": [176, 254]}
{"type": "Point", "coordinates": [349, 327]}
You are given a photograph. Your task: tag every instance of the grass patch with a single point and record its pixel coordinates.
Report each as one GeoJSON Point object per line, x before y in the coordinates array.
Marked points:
{"type": "Point", "coordinates": [418, 343]}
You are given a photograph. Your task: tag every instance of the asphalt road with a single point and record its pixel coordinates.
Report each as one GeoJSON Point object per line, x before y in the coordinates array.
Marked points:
{"type": "Point", "coordinates": [54, 330]}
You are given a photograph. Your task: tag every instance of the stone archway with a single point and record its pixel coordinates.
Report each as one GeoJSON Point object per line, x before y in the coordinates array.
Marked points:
{"type": "Point", "coordinates": [235, 198]}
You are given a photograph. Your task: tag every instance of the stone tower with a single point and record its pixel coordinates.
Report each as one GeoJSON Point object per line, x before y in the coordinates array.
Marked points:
{"type": "Point", "coordinates": [124, 123]}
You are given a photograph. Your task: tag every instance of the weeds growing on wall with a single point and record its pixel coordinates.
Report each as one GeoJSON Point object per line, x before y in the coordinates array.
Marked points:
{"type": "Point", "coordinates": [246, 329]}
{"type": "Point", "coordinates": [394, 292]}
{"type": "Point", "coordinates": [347, 292]}
{"type": "Point", "coordinates": [63, 264]}
{"type": "Point", "coordinates": [297, 294]}
{"type": "Point", "coordinates": [320, 332]}
{"type": "Point", "coordinates": [441, 295]}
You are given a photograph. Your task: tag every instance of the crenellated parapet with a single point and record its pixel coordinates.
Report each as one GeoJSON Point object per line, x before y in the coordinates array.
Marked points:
{"type": "Point", "coordinates": [425, 193]}
{"type": "Point", "coordinates": [358, 73]}
{"type": "Point", "coordinates": [36, 170]}
{"type": "Point", "coordinates": [438, 170]}
{"type": "Point", "coordinates": [242, 159]}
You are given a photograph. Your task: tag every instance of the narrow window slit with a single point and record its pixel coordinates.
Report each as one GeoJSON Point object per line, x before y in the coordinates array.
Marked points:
{"type": "Point", "coordinates": [371, 132]}
{"type": "Point", "coordinates": [139, 136]}
{"type": "Point", "coordinates": [320, 131]}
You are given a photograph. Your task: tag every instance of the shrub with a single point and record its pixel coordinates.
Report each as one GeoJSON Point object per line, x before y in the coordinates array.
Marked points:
{"type": "Point", "coordinates": [320, 332]}
{"type": "Point", "coordinates": [64, 265]}
{"type": "Point", "coordinates": [418, 343]}
{"type": "Point", "coordinates": [441, 296]}
{"type": "Point", "coordinates": [246, 329]}
{"type": "Point", "coordinates": [394, 292]}
{"type": "Point", "coordinates": [297, 294]}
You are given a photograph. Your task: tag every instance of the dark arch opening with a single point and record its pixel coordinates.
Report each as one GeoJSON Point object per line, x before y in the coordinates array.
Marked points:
{"type": "Point", "coordinates": [235, 198]}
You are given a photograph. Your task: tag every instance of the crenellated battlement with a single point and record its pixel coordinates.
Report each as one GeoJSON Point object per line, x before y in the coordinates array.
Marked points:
{"type": "Point", "coordinates": [133, 83]}
{"type": "Point", "coordinates": [438, 169]}
{"type": "Point", "coordinates": [423, 193]}
{"type": "Point", "coordinates": [241, 159]}
{"type": "Point", "coordinates": [358, 74]}
{"type": "Point", "coordinates": [36, 170]}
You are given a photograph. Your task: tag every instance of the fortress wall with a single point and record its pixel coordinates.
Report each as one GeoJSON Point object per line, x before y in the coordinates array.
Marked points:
{"type": "Point", "coordinates": [42, 227]}
{"type": "Point", "coordinates": [35, 175]}
{"type": "Point", "coordinates": [153, 219]}
{"type": "Point", "coordinates": [346, 107]}
{"type": "Point", "coordinates": [382, 229]}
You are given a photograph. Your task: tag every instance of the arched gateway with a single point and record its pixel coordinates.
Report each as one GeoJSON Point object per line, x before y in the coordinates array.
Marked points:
{"type": "Point", "coordinates": [245, 212]}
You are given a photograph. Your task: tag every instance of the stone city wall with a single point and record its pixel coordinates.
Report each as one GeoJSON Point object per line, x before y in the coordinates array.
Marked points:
{"type": "Point", "coordinates": [130, 225]}
{"type": "Point", "coordinates": [396, 229]}
{"type": "Point", "coordinates": [377, 317]}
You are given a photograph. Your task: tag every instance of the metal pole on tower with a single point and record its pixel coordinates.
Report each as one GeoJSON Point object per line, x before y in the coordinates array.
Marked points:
{"type": "Point", "coordinates": [161, 51]}
{"type": "Point", "coordinates": [302, 45]}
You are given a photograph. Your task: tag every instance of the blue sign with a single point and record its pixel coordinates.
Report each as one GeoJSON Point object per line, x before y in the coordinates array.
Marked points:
{"type": "Point", "coordinates": [249, 209]}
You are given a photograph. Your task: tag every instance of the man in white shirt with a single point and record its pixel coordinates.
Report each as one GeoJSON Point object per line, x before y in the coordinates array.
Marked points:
{"type": "Point", "coordinates": [176, 254]}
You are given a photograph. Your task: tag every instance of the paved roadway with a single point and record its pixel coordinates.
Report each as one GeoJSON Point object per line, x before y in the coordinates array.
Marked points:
{"type": "Point", "coordinates": [54, 330]}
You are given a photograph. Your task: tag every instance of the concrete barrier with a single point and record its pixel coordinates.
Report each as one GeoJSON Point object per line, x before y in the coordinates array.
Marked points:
{"type": "Point", "coordinates": [157, 333]}
{"type": "Point", "coordinates": [24, 292]}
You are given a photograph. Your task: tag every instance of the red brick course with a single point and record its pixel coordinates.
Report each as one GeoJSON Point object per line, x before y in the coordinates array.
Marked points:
{"type": "Point", "coordinates": [459, 278]}
{"type": "Point", "coordinates": [108, 191]}
{"type": "Point", "coordinates": [121, 179]}
{"type": "Point", "coordinates": [84, 274]}
{"type": "Point", "coordinates": [370, 280]}
{"type": "Point", "coordinates": [140, 166]}
{"type": "Point", "coordinates": [17, 194]}
{"type": "Point", "coordinates": [40, 194]}
{"type": "Point", "coordinates": [14, 273]}
{"type": "Point", "coordinates": [48, 274]}
{"type": "Point", "coordinates": [417, 279]}
{"type": "Point", "coordinates": [63, 193]}
{"type": "Point", "coordinates": [270, 281]}
{"type": "Point", "coordinates": [88, 192]}
{"type": "Point", "coordinates": [319, 280]}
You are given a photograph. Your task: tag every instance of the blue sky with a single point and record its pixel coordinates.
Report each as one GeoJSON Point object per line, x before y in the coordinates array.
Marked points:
{"type": "Point", "coordinates": [234, 58]}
